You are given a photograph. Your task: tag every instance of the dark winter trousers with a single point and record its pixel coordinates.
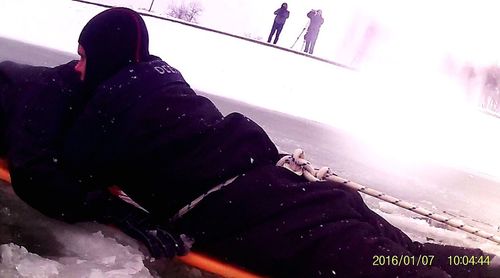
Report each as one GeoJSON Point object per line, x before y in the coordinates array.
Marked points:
{"type": "Point", "coordinates": [275, 223]}
{"type": "Point", "coordinates": [277, 27]}
{"type": "Point", "coordinates": [310, 38]}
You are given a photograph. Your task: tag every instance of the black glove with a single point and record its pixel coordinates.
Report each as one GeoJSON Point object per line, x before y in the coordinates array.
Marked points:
{"type": "Point", "coordinates": [159, 242]}
{"type": "Point", "coordinates": [139, 225]}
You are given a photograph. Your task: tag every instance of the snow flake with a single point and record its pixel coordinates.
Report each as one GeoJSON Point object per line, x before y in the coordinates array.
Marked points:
{"type": "Point", "coordinates": [251, 160]}
{"type": "Point", "coordinates": [6, 211]}
{"type": "Point", "coordinates": [55, 160]}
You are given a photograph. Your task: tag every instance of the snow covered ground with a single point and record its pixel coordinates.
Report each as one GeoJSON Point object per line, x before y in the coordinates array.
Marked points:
{"type": "Point", "coordinates": [400, 130]}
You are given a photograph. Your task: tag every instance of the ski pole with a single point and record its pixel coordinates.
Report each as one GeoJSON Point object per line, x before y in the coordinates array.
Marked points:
{"type": "Point", "coordinates": [305, 27]}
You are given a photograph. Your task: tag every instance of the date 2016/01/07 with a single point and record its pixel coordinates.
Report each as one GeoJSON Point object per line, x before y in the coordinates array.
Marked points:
{"type": "Point", "coordinates": [427, 260]}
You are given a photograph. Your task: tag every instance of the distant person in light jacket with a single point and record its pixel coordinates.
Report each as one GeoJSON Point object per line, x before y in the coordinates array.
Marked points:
{"type": "Point", "coordinates": [279, 21]}
{"type": "Point", "coordinates": [313, 30]}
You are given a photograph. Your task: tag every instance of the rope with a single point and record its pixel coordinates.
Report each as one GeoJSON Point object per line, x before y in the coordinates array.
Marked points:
{"type": "Point", "coordinates": [193, 203]}
{"type": "Point", "coordinates": [296, 163]}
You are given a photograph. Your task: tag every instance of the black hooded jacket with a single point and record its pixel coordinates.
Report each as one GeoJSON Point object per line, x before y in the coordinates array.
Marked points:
{"type": "Point", "coordinates": [281, 15]}
{"type": "Point", "coordinates": [112, 40]}
{"type": "Point", "coordinates": [38, 104]}
{"type": "Point", "coordinates": [147, 131]}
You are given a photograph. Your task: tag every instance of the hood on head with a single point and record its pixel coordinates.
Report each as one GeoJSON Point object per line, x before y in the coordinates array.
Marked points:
{"type": "Point", "coordinates": [112, 40]}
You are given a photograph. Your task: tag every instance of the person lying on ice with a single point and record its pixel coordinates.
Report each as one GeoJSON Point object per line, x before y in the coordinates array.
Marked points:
{"type": "Point", "coordinates": [143, 128]}
{"type": "Point", "coordinates": [37, 105]}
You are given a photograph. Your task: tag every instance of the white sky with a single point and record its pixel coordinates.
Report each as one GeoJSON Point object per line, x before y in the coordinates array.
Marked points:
{"type": "Point", "coordinates": [410, 112]}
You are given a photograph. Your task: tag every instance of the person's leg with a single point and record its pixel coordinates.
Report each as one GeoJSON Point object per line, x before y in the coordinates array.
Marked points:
{"type": "Point", "coordinates": [427, 252]}
{"type": "Point", "coordinates": [273, 29]}
{"type": "Point", "coordinates": [449, 258]}
{"type": "Point", "coordinates": [306, 48]}
{"type": "Point", "coordinates": [313, 42]}
{"type": "Point", "coordinates": [278, 32]}
{"type": "Point", "coordinates": [273, 222]}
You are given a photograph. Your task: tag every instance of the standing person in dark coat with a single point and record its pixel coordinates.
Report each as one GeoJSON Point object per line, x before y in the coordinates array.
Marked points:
{"type": "Point", "coordinates": [279, 21]}
{"type": "Point", "coordinates": [214, 177]}
{"type": "Point", "coordinates": [316, 20]}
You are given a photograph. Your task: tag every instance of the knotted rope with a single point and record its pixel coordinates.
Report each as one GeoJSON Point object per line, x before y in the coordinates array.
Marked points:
{"type": "Point", "coordinates": [296, 163]}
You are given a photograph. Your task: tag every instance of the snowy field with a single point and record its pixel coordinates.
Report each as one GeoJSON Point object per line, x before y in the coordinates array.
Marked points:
{"type": "Point", "coordinates": [401, 131]}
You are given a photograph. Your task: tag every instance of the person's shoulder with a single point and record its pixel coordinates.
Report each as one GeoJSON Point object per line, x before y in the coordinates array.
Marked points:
{"type": "Point", "coordinates": [151, 73]}
{"type": "Point", "coordinates": [159, 66]}
{"type": "Point", "coordinates": [14, 66]}
{"type": "Point", "coordinates": [17, 72]}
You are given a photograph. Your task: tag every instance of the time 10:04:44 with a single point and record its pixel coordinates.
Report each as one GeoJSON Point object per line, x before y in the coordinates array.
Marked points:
{"type": "Point", "coordinates": [468, 260]}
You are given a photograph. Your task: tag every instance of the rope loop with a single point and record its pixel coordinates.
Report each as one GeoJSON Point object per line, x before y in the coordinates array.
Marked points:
{"type": "Point", "coordinates": [297, 163]}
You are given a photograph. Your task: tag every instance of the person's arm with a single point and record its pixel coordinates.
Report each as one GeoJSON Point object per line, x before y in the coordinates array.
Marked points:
{"type": "Point", "coordinates": [40, 103]}
{"type": "Point", "coordinates": [49, 191]}
{"type": "Point", "coordinates": [141, 226]}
